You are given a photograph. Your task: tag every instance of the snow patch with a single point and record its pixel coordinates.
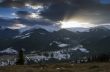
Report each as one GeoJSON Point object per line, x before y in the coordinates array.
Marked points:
{"type": "Point", "coordinates": [49, 28]}
{"type": "Point", "coordinates": [9, 51]}
{"type": "Point", "coordinates": [66, 38]}
{"type": "Point", "coordinates": [63, 45]}
{"type": "Point", "coordinates": [27, 35]}
{"type": "Point", "coordinates": [60, 44]}
{"type": "Point", "coordinates": [81, 48]}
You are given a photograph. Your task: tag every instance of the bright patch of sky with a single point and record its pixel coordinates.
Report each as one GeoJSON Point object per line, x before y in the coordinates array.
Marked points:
{"type": "Point", "coordinates": [17, 26]}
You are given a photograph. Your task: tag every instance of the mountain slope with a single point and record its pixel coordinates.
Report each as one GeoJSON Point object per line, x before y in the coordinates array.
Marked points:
{"type": "Point", "coordinates": [101, 46]}
{"type": "Point", "coordinates": [43, 40]}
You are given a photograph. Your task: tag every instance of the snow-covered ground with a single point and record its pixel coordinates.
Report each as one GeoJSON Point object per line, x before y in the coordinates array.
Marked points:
{"type": "Point", "coordinates": [62, 54]}
{"type": "Point", "coordinates": [59, 55]}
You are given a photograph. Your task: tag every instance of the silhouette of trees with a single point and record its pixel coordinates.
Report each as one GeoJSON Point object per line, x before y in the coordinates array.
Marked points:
{"type": "Point", "coordinates": [103, 58]}
{"type": "Point", "coordinates": [99, 58]}
{"type": "Point", "coordinates": [46, 54]}
{"type": "Point", "coordinates": [20, 60]}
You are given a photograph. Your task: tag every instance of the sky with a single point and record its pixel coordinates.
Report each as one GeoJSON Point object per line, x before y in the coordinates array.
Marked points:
{"type": "Point", "coordinates": [63, 13]}
{"type": "Point", "coordinates": [105, 1]}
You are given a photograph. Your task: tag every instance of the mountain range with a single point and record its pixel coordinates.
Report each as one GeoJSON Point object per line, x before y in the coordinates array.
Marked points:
{"type": "Point", "coordinates": [39, 39]}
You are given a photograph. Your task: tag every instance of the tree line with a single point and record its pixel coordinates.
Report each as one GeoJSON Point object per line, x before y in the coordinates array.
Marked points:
{"type": "Point", "coordinates": [93, 58]}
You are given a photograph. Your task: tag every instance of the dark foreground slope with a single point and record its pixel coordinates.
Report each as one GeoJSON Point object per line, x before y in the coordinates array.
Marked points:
{"type": "Point", "coordinates": [89, 67]}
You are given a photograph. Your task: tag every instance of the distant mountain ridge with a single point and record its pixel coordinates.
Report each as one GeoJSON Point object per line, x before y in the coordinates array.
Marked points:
{"type": "Point", "coordinates": [39, 39]}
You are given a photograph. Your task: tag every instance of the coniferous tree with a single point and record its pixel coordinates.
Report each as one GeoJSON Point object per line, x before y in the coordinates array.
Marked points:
{"type": "Point", "coordinates": [20, 60]}
{"type": "Point", "coordinates": [103, 58]}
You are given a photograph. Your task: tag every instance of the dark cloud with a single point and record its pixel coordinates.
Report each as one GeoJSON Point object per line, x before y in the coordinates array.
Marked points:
{"type": "Point", "coordinates": [12, 3]}
{"type": "Point", "coordinates": [57, 10]}
{"type": "Point", "coordinates": [4, 22]}
{"type": "Point", "coordinates": [96, 12]}
{"type": "Point", "coordinates": [27, 22]}
{"type": "Point", "coordinates": [23, 14]}
{"type": "Point", "coordinates": [93, 16]}
{"type": "Point", "coordinates": [33, 22]}
{"type": "Point", "coordinates": [19, 3]}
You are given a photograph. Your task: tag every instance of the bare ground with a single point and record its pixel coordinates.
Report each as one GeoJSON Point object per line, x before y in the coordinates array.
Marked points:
{"type": "Point", "coordinates": [61, 67]}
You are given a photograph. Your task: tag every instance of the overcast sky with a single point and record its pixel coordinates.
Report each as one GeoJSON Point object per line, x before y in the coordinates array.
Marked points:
{"type": "Point", "coordinates": [47, 12]}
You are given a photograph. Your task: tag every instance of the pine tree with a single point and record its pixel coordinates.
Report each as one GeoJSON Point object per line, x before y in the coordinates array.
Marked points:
{"type": "Point", "coordinates": [20, 60]}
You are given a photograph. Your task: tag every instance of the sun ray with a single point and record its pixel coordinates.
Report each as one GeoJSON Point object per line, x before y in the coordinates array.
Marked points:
{"type": "Point", "coordinates": [72, 23]}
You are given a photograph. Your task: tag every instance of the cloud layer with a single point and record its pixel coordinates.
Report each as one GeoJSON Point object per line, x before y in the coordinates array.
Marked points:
{"type": "Point", "coordinates": [45, 11]}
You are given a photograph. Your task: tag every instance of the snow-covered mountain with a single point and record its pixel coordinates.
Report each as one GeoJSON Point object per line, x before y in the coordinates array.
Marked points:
{"type": "Point", "coordinates": [7, 33]}
{"type": "Point", "coordinates": [81, 29]}
{"type": "Point", "coordinates": [78, 29]}
{"type": "Point", "coordinates": [39, 39]}
{"type": "Point", "coordinates": [49, 28]}
{"type": "Point", "coordinates": [9, 51]}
